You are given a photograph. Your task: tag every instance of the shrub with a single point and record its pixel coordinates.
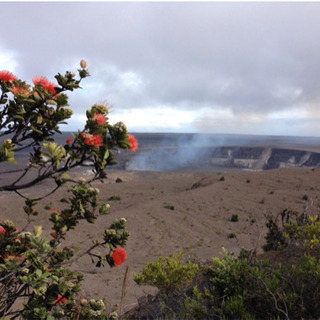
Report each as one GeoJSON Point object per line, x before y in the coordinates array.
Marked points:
{"type": "Point", "coordinates": [167, 274]}
{"type": "Point", "coordinates": [33, 266]}
{"type": "Point", "coordinates": [295, 229]}
{"type": "Point", "coordinates": [285, 285]}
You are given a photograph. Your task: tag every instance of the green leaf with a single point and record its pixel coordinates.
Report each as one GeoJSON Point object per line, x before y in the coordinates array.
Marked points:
{"type": "Point", "coordinates": [38, 272]}
{"type": "Point", "coordinates": [37, 96]}
{"type": "Point", "coordinates": [36, 130]}
{"type": "Point", "coordinates": [18, 117]}
{"type": "Point", "coordinates": [37, 231]}
{"type": "Point", "coordinates": [52, 102]}
{"type": "Point", "coordinates": [106, 155]}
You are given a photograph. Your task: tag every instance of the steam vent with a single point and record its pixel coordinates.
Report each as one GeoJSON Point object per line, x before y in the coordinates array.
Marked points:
{"type": "Point", "coordinates": [167, 152]}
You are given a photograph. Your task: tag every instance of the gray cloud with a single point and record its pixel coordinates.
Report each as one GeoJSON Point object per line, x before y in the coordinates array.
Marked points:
{"type": "Point", "coordinates": [247, 57]}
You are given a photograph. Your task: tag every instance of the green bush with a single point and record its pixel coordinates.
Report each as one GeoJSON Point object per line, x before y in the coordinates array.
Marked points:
{"type": "Point", "coordinates": [167, 274]}
{"type": "Point", "coordinates": [269, 286]}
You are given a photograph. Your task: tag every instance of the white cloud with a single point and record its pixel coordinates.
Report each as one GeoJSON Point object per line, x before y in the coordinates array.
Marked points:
{"type": "Point", "coordinates": [155, 119]}
{"type": "Point", "coordinates": [8, 60]}
{"type": "Point", "coordinates": [290, 114]}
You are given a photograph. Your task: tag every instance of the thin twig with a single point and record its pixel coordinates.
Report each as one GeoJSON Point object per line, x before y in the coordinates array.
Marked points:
{"type": "Point", "coordinates": [124, 291]}
{"type": "Point", "coordinates": [275, 301]}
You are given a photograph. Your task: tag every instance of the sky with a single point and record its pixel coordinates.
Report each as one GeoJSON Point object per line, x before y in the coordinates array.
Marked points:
{"type": "Point", "coordinates": [206, 67]}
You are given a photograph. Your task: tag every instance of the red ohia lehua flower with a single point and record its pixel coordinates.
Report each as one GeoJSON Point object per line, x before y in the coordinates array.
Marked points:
{"type": "Point", "coordinates": [100, 118]}
{"type": "Point", "coordinates": [95, 140]}
{"type": "Point", "coordinates": [69, 140]}
{"type": "Point", "coordinates": [4, 231]}
{"type": "Point", "coordinates": [7, 76]}
{"type": "Point", "coordinates": [60, 299]}
{"type": "Point", "coordinates": [119, 256]}
{"type": "Point", "coordinates": [134, 142]}
{"type": "Point", "coordinates": [13, 257]}
{"type": "Point", "coordinates": [45, 83]}
{"type": "Point", "coordinates": [20, 91]}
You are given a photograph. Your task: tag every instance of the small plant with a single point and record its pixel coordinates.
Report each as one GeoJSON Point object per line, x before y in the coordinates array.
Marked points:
{"type": "Point", "coordinates": [232, 235]}
{"type": "Point", "coordinates": [253, 220]}
{"type": "Point", "coordinates": [248, 180]}
{"type": "Point", "coordinates": [119, 180]}
{"type": "Point", "coordinates": [114, 198]}
{"type": "Point", "coordinates": [305, 198]}
{"type": "Point", "coordinates": [222, 178]}
{"type": "Point", "coordinates": [234, 218]}
{"type": "Point", "coordinates": [170, 207]}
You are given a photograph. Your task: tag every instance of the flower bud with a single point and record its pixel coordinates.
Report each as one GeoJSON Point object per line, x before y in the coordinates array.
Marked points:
{"type": "Point", "coordinates": [7, 143]}
{"type": "Point", "coordinates": [83, 64]}
{"type": "Point", "coordinates": [82, 181]}
{"type": "Point", "coordinates": [25, 270]}
{"type": "Point", "coordinates": [120, 126]}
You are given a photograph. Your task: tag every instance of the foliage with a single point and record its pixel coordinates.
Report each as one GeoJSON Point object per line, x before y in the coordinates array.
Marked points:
{"type": "Point", "coordinates": [168, 274]}
{"type": "Point", "coordinates": [33, 269]}
{"type": "Point", "coordinates": [269, 286]}
{"type": "Point", "coordinates": [294, 228]}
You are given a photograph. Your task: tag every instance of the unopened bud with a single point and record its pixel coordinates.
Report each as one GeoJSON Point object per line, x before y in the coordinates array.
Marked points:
{"type": "Point", "coordinates": [25, 270]}
{"type": "Point", "coordinates": [7, 143]}
{"type": "Point", "coordinates": [83, 64]}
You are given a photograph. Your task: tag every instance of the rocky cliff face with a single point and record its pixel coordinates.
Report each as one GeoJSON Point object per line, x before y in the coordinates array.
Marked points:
{"type": "Point", "coordinates": [263, 158]}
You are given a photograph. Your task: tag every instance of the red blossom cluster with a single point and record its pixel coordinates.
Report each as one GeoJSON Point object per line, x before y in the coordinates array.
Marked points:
{"type": "Point", "coordinates": [13, 257]}
{"type": "Point", "coordinates": [5, 232]}
{"type": "Point", "coordinates": [7, 76]}
{"type": "Point", "coordinates": [60, 299]}
{"type": "Point", "coordinates": [100, 118]}
{"type": "Point", "coordinates": [134, 142]}
{"type": "Point", "coordinates": [21, 91]}
{"type": "Point", "coordinates": [119, 256]}
{"type": "Point", "coordinates": [45, 83]}
{"type": "Point", "coordinates": [95, 140]}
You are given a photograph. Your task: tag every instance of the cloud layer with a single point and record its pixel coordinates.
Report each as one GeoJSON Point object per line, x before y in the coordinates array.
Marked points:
{"type": "Point", "coordinates": [224, 67]}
